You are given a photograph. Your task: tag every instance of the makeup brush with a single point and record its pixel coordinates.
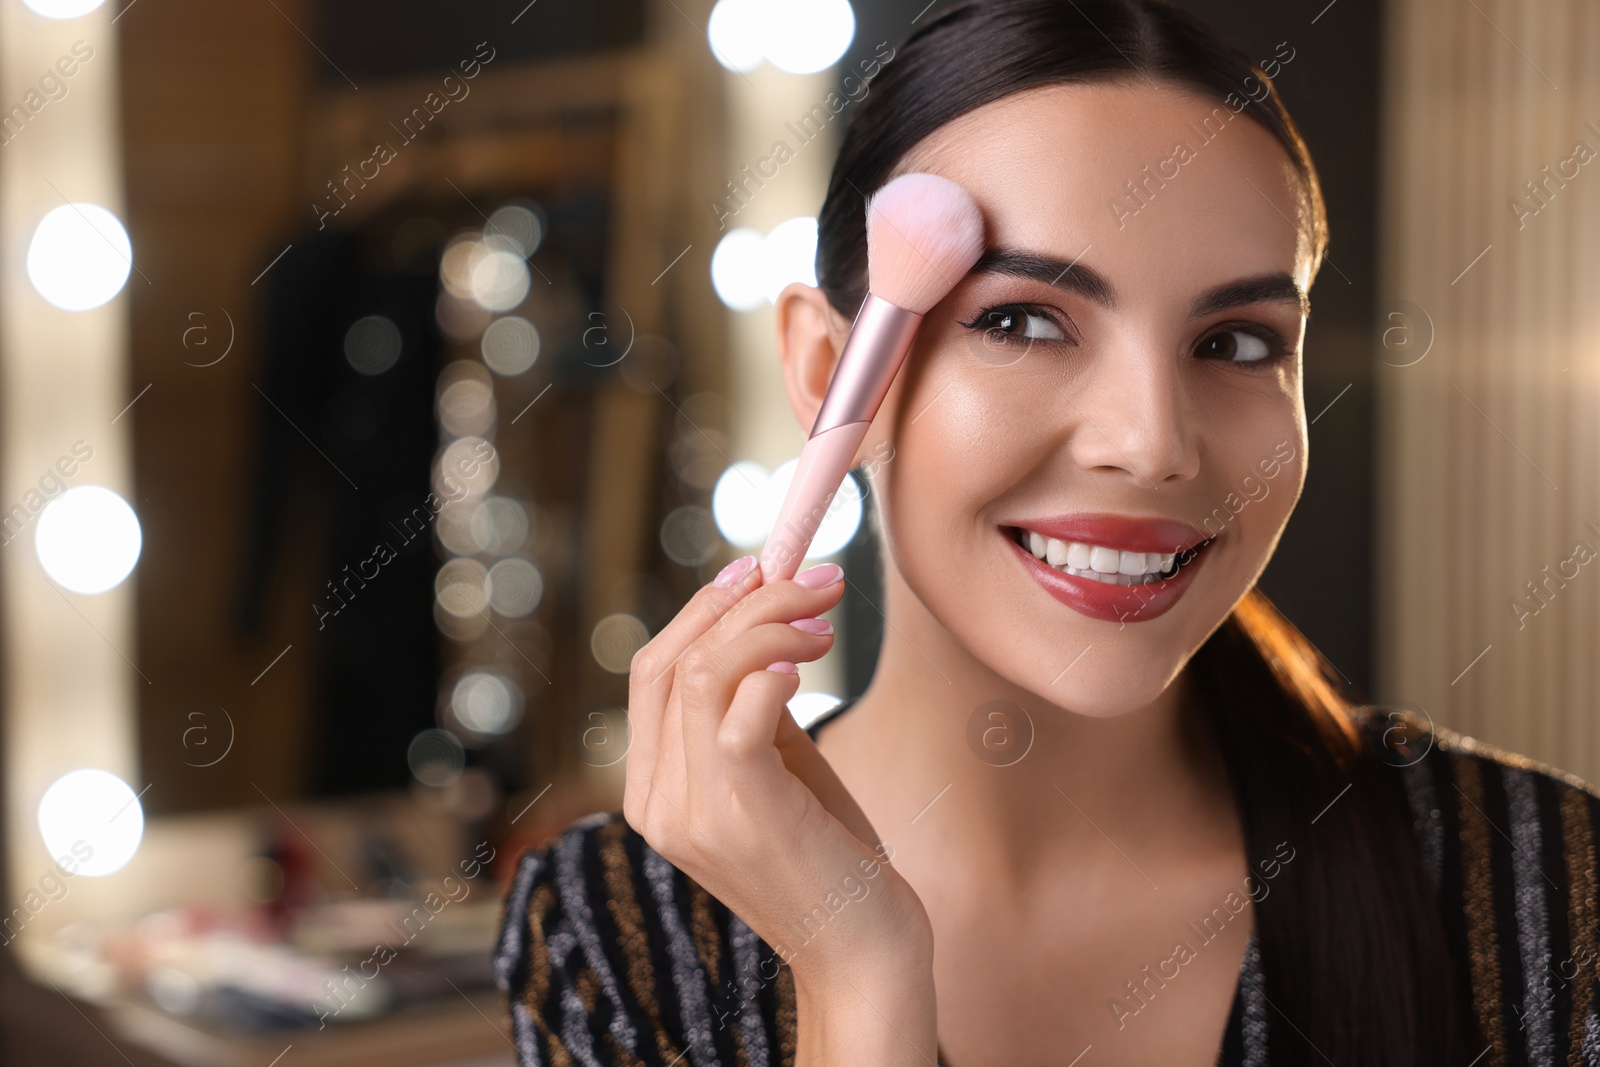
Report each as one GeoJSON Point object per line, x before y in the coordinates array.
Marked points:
{"type": "Point", "coordinates": [924, 233]}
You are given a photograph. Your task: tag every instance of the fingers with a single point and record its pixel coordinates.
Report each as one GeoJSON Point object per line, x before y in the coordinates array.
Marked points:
{"type": "Point", "coordinates": [734, 603]}
{"type": "Point", "coordinates": [807, 763]}
{"type": "Point", "coordinates": [651, 672]}
{"type": "Point", "coordinates": [715, 615]}
{"type": "Point", "coordinates": [745, 737]}
{"type": "Point", "coordinates": [709, 680]}
{"type": "Point", "coordinates": [653, 663]}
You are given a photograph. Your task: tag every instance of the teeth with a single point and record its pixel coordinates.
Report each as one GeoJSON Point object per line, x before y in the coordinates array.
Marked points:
{"type": "Point", "coordinates": [1100, 562]}
{"type": "Point", "coordinates": [1104, 560]}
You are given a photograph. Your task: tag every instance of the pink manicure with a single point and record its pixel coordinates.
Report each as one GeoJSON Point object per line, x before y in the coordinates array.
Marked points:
{"type": "Point", "coordinates": [730, 574]}
{"type": "Point", "coordinates": [783, 666]}
{"type": "Point", "coordinates": [820, 627]}
{"type": "Point", "coordinates": [820, 576]}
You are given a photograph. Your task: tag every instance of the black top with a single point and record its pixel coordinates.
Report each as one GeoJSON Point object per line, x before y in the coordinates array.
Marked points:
{"type": "Point", "coordinates": [611, 955]}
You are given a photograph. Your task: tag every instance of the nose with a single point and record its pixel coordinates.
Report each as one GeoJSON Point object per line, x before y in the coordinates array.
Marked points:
{"type": "Point", "coordinates": [1134, 418]}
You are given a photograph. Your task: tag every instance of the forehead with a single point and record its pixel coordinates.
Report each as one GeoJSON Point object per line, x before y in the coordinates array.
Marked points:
{"type": "Point", "coordinates": [1158, 183]}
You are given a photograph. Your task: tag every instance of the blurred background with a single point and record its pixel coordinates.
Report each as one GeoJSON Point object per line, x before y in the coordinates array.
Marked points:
{"type": "Point", "coordinates": [376, 378]}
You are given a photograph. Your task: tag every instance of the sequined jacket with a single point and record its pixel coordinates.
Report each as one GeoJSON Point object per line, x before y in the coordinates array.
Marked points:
{"type": "Point", "coordinates": [608, 954]}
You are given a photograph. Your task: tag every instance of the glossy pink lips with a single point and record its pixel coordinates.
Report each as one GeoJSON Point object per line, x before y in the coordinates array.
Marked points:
{"type": "Point", "coordinates": [1140, 602]}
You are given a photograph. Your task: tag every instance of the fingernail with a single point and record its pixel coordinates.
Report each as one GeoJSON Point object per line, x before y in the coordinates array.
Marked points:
{"type": "Point", "coordinates": [820, 577]}
{"type": "Point", "coordinates": [733, 572]}
{"type": "Point", "coordinates": [783, 666]}
{"type": "Point", "coordinates": [819, 627]}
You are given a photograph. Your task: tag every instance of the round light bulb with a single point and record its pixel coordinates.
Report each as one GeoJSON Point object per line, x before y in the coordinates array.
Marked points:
{"type": "Point", "coordinates": [62, 9]}
{"type": "Point", "coordinates": [807, 36]}
{"type": "Point", "coordinates": [91, 822]}
{"type": "Point", "coordinates": [88, 539]}
{"type": "Point", "coordinates": [79, 256]}
{"type": "Point", "coordinates": [736, 33]}
{"type": "Point", "coordinates": [789, 254]}
{"type": "Point", "coordinates": [737, 272]}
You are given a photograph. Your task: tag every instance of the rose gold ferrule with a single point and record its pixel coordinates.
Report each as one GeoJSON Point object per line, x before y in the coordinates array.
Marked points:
{"type": "Point", "coordinates": [877, 345]}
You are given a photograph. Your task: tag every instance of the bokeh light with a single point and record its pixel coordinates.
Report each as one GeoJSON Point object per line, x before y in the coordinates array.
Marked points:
{"type": "Point", "coordinates": [436, 757]}
{"type": "Point", "coordinates": [455, 264]}
{"type": "Point", "coordinates": [735, 31]}
{"type": "Point", "coordinates": [797, 36]}
{"type": "Point", "coordinates": [79, 256]}
{"type": "Point", "coordinates": [689, 536]}
{"type": "Point", "coordinates": [807, 36]}
{"type": "Point", "coordinates": [372, 344]}
{"type": "Point", "coordinates": [807, 708]}
{"type": "Point", "coordinates": [454, 528]}
{"type": "Point", "coordinates": [739, 504]}
{"type": "Point", "coordinates": [486, 703]}
{"type": "Point", "coordinates": [63, 9]}
{"type": "Point", "coordinates": [88, 539]}
{"type": "Point", "coordinates": [499, 277]}
{"type": "Point", "coordinates": [466, 398]}
{"type": "Point", "coordinates": [615, 639]}
{"type": "Point", "coordinates": [499, 525]}
{"type": "Point", "coordinates": [737, 269]}
{"type": "Point", "coordinates": [789, 254]}
{"type": "Point", "coordinates": [839, 523]}
{"type": "Point", "coordinates": [460, 587]}
{"type": "Point", "coordinates": [467, 464]}
{"type": "Point", "coordinates": [510, 345]}
{"type": "Point", "coordinates": [91, 822]}
{"type": "Point", "coordinates": [518, 225]}
{"type": "Point", "coordinates": [515, 587]}
{"type": "Point", "coordinates": [746, 500]}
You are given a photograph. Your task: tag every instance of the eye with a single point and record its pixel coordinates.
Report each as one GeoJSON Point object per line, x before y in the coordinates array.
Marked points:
{"type": "Point", "coordinates": [1023, 322]}
{"type": "Point", "coordinates": [1239, 345]}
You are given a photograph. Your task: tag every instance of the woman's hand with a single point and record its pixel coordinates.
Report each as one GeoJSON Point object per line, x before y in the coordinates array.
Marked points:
{"type": "Point", "coordinates": [726, 785]}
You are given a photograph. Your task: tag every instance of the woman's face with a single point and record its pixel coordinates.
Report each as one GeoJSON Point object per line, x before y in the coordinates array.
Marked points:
{"type": "Point", "coordinates": [1120, 375]}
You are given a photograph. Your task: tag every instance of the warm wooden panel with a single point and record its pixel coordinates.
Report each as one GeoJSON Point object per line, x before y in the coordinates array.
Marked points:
{"type": "Point", "coordinates": [1490, 611]}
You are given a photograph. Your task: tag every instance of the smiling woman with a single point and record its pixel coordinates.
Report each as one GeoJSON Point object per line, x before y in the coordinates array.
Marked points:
{"type": "Point", "coordinates": [1062, 431]}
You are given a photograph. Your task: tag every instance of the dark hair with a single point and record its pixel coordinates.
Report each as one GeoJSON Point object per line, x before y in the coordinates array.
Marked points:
{"type": "Point", "coordinates": [1354, 954]}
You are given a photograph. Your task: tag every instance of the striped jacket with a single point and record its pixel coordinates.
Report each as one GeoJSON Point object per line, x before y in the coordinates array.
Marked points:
{"type": "Point", "coordinates": [608, 954]}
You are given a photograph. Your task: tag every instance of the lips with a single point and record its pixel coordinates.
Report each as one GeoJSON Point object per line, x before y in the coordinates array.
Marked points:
{"type": "Point", "coordinates": [1140, 601]}
{"type": "Point", "coordinates": [1117, 531]}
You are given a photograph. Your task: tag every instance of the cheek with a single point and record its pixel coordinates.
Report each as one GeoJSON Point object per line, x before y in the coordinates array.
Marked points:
{"type": "Point", "coordinates": [962, 435]}
{"type": "Point", "coordinates": [1258, 468]}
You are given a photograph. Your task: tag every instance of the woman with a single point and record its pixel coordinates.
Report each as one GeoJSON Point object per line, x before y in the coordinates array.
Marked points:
{"type": "Point", "coordinates": [1100, 803]}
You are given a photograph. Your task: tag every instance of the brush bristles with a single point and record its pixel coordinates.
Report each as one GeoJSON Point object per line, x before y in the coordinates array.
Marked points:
{"type": "Point", "coordinates": [924, 233]}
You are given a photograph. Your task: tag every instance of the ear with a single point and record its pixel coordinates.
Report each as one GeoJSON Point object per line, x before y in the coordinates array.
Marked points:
{"type": "Point", "coordinates": [811, 334]}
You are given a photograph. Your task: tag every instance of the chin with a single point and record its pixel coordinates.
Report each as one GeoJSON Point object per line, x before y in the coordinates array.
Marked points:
{"type": "Point", "coordinates": [1109, 696]}
{"type": "Point", "coordinates": [1119, 682]}
{"type": "Point", "coordinates": [1096, 669]}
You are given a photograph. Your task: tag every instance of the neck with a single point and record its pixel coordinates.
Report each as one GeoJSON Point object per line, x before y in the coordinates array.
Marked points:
{"type": "Point", "coordinates": [946, 756]}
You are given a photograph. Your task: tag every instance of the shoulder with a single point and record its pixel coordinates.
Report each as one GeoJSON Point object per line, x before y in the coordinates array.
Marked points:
{"type": "Point", "coordinates": [610, 954]}
{"type": "Point", "coordinates": [1509, 843]}
{"type": "Point", "coordinates": [1489, 805]}
{"type": "Point", "coordinates": [1474, 785]}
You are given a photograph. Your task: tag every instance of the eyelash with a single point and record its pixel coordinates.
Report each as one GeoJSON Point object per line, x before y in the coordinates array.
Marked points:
{"type": "Point", "coordinates": [1278, 349]}
{"type": "Point", "coordinates": [1027, 309]}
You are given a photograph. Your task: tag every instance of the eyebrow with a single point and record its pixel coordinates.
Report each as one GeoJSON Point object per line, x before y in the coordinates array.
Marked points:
{"type": "Point", "coordinates": [1074, 277]}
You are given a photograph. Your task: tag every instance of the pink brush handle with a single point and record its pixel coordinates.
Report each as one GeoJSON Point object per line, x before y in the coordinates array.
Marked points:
{"type": "Point", "coordinates": [878, 343]}
{"type": "Point", "coordinates": [824, 462]}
